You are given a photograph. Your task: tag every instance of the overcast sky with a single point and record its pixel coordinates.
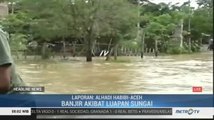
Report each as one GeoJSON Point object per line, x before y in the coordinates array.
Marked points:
{"type": "Point", "coordinates": [193, 2]}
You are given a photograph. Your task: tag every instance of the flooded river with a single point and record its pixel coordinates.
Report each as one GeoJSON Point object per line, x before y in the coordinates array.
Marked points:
{"type": "Point", "coordinates": [162, 75]}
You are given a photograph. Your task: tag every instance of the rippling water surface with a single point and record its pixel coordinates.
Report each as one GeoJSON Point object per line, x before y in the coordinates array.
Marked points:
{"type": "Point", "coordinates": [162, 75]}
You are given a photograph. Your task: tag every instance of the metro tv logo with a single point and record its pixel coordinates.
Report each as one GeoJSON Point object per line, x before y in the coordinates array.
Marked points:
{"type": "Point", "coordinates": [189, 112]}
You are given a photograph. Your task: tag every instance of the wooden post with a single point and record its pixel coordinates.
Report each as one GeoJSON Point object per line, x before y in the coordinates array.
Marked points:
{"type": "Point", "coordinates": [64, 56]}
{"type": "Point", "coordinates": [109, 50]}
{"type": "Point", "coordinates": [74, 49]}
{"type": "Point", "coordinates": [94, 47]}
{"type": "Point", "coordinates": [115, 51]}
{"type": "Point", "coordinates": [156, 48]}
{"type": "Point", "coordinates": [44, 47]}
{"type": "Point", "coordinates": [142, 44]}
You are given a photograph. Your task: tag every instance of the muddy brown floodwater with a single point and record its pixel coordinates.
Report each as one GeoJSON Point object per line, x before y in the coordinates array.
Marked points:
{"type": "Point", "coordinates": [175, 74]}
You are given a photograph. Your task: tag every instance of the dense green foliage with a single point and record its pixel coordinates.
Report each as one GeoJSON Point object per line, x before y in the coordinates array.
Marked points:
{"type": "Point", "coordinates": [114, 21]}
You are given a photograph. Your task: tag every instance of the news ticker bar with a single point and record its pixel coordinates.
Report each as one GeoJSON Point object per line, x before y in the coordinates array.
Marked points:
{"type": "Point", "coordinates": [180, 112]}
{"type": "Point", "coordinates": [102, 111]}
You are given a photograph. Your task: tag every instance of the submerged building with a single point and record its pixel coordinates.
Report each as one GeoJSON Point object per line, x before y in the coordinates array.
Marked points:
{"type": "Point", "coordinates": [3, 10]}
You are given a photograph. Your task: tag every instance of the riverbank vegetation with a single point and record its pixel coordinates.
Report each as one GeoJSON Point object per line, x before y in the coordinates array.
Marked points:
{"type": "Point", "coordinates": [106, 27]}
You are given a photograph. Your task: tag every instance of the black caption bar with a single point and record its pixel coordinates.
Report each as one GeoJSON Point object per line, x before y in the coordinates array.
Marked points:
{"type": "Point", "coordinates": [29, 89]}
{"type": "Point", "coordinates": [101, 111]}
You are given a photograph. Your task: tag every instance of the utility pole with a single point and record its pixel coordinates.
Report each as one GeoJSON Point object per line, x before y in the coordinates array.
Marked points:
{"type": "Point", "coordinates": [189, 29]}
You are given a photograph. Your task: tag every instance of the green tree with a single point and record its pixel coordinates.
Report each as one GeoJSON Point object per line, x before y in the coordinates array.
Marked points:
{"type": "Point", "coordinates": [202, 20]}
{"type": "Point", "coordinates": [97, 18]}
{"type": "Point", "coordinates": [18, 43]}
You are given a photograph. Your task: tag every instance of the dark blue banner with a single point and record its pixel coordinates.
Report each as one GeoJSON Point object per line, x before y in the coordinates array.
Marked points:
{"type": "Point", "coordinates": [106, 101]}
